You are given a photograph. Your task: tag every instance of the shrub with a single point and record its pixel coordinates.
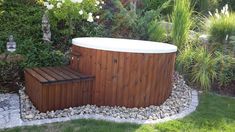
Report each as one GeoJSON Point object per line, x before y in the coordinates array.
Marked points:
{"type": "Point", "coordinates": [221, 26]}
{"type": "Point", "coordinates": [199, 65]}
{"type": "Point", "coordinates": [157, 32]}
{"type": "Point", "coordinates": [157, 4]}
{"type": "Point", "coordinates": [11, 72]}
{"type": "Point", "coordinates": [143, 23]}
{"type": "Point", "coordinates": [203, 6]}
{"type": "Point", "coordinates": [225, 68]}
{"type": "Point", "coordinates": [67, 17]}
{"type": "Point", "coordinates": [181, 19]}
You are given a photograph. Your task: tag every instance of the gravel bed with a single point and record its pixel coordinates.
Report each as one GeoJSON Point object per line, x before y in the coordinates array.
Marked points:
{"type": "Point", "coordinates": [179, 100]}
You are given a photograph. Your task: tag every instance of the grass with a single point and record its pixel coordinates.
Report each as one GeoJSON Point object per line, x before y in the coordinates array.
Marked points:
{"type": "Point", "coordinates": [215, 113]}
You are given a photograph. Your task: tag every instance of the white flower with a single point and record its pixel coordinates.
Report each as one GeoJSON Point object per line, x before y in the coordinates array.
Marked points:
{"type": "Point", "coordinates": [46, 3]}
{"type": "Point", "coordinates": [210, 13]}
{"type": "Point", "coordinates": [62, 1]}
{"type": "Point", "coordinates": [80, 12]}
{"type": "Point", "coordinates": [101, 7]}
{"type": "Point", "coordinates": [76, 1]}
{"type": "Point", "coordinates": [217, 15]}
{"type": "Point", "coordinates": [90, 18]}
{"type": "Point", "coordinates": [97, 17]}
{"type": "Point", "coordinates": [97, 2]}
{"type": "Point", "coordinates": [50, 6]}
{"type": "Point", "coordinates": [59, 5]}
{"type": "Point", "coordinates": [102, 2]}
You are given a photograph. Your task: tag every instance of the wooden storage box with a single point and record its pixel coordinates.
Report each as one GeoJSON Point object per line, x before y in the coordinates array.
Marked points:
{"type": "Point", "coordinates": [54, 88]}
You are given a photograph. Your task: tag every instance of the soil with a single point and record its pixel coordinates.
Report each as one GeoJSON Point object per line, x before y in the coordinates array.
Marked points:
{"type": "Point", "coordinates": [228, 90]}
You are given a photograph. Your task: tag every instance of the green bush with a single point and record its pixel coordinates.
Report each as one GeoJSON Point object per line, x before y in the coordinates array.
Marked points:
{"type": "Point", "coordinates": [143, 23]}
{"type": "Point", "coordinates": [23, 20]}
{"type": "Point", "coordinates": [221, 27]}
{"type": "Point", "coordinates": [181, 19]}
{"type": "Point", "coordinates": [157, 4]}
{"type": "Point", "coordinates": [199, 65]}
{"type": "Point", "coordinates": [157, 32]}
{"type": "Point", "coordinates": [203, 6]}
{"type": "Point", "coordinates": [225, 68]}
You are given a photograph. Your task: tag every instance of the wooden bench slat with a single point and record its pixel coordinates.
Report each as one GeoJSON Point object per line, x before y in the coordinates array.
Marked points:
{"type": "Point", "coordinates": [36, 75]}
{"type": "Point", "coordinates": [44, 74]}
{"type": "Point", "coordinates": [53, 74]}
{"type": "Point", "coordinates": [68, 73]}
{"type": "Point", "coordinates": [65, 76]}
{"type": "Point", "coordinates": [77, 73]}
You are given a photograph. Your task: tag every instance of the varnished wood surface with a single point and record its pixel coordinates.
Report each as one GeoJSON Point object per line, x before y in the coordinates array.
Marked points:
{"type": "Point", "coordinates": [126, 79]}
{"type": "Point", "coordinates": [54, 88]}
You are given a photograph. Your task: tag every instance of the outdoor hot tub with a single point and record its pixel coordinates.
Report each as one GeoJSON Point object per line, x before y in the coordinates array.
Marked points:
{"type": "Point", "coordinates": [130, 73]}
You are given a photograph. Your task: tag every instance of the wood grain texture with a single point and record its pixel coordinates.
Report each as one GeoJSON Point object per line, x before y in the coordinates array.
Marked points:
{"type": "Point", "coordinates": [54, 88]}
{"type": "Point", "coordinates": [126, 79]}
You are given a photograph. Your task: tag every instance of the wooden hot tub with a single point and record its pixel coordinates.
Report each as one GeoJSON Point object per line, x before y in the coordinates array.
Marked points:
{"type": "Point", "coordinates": [131, 73]}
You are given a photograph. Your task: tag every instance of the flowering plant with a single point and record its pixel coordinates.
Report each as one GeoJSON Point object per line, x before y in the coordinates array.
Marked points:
{"type": "Point", "coordinates": [74, 9]}
{"type": "Point", "coordinates": [69, 13]}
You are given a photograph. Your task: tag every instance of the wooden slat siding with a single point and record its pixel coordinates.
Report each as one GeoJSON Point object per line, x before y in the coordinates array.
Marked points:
{"type": "Point", "coordinates": [60, 73]}
{"type": "Point", "coordinates": [120, 80]}
{"type": "Point", "coordinates": [140, 91]}
{"type": "Point", "coordinates": [144, 89]}
{"type": "Point", "coordinates": [157, 93]}
{"type": "Point", "coordinates": [97, 93]}
{"type": "Point", "coordinates": [102, 76]}
{"type": "Point", "coordinates": [140, 73]}
{"type": "Point", "coordinates": [140, 86]}
{"type": "Point", "coordinates": [33, 88]}
{"type": "Point", "coordinates": [93, 73]}
{"type": "Point", "coordinates": [56, 95]}
{"type": "Point", "coordinates": [127, 79]}
{"type": "Point", "coordinates": [132, 89]}
{"type": "Point", "coordinates": [114, 78]}
{"type": "Point", "coordinates": [108, 81]}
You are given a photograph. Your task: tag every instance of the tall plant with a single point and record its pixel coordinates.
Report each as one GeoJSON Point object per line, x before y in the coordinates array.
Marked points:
{"type": "Point", "coordinates": [181, 19]}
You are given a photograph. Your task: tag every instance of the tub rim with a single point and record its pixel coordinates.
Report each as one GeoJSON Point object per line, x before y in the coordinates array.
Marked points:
{"type": "Point", "coordinates": [121, 45]}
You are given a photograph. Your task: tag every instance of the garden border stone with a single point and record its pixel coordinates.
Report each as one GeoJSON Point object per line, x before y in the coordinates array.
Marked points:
{"type": "Point", "coordinates": [14, 120]}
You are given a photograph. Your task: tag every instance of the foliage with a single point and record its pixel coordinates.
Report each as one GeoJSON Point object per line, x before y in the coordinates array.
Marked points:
{"type": "Point", "coordinates": [143, 23]}
{"type": "Point", "coordinates": [204, 70]}
{"type": "Point", "coordinates": [11, 71]}
{"type": "Point", "coordinates": [181, 19]}
{"type": "Point", "coordinates": [214, 113]}
{"type": "Point", "coordinates": [157, 4]}
{"type": "Point", "coordinates": [220, 26]}
{"type": "Point", "coordinates": [203, 6]}
{"type": "Point", "coordinates": [39, 54]}
{"type": "Point", "coordinates": [199, 65]}
{"type": "Point", "coordinates": [68, 12]}
{"type": "Point", "coordinates": [157, 32]}
{"type": "Point", "coordinates": [23, 20]}
{"type": "Point", "coordinates": [226, 68]}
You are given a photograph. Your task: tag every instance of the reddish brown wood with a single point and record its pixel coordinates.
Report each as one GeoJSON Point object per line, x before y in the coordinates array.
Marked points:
{"type": "Point", "coordinates": [126, 79]}
{"type": "Point", "coordinates": [57, 88]}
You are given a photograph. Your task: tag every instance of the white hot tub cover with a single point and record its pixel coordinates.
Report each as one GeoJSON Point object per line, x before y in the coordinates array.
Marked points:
{"type": "Point", "coordinates": [124, 45]}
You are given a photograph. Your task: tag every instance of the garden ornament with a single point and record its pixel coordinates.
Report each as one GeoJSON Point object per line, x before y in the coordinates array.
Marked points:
{"type": "Point", "coordinates": [46, 29]}
{"type": "Point", "coordinates": [11, 45]}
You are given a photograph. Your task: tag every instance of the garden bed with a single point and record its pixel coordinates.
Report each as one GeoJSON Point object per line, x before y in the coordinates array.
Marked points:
{"type": "Point", "coordinates": [179, 100]}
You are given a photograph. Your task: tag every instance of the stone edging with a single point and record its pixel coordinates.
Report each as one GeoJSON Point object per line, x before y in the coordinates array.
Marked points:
{"type": "Point", "coordinates": [192, 107]}
{"type": "Point", "coordinates": [187, 111]}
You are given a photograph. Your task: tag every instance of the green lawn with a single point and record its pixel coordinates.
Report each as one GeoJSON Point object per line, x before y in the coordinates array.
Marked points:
{"type": "Point", "coordinates": [215, 113]}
